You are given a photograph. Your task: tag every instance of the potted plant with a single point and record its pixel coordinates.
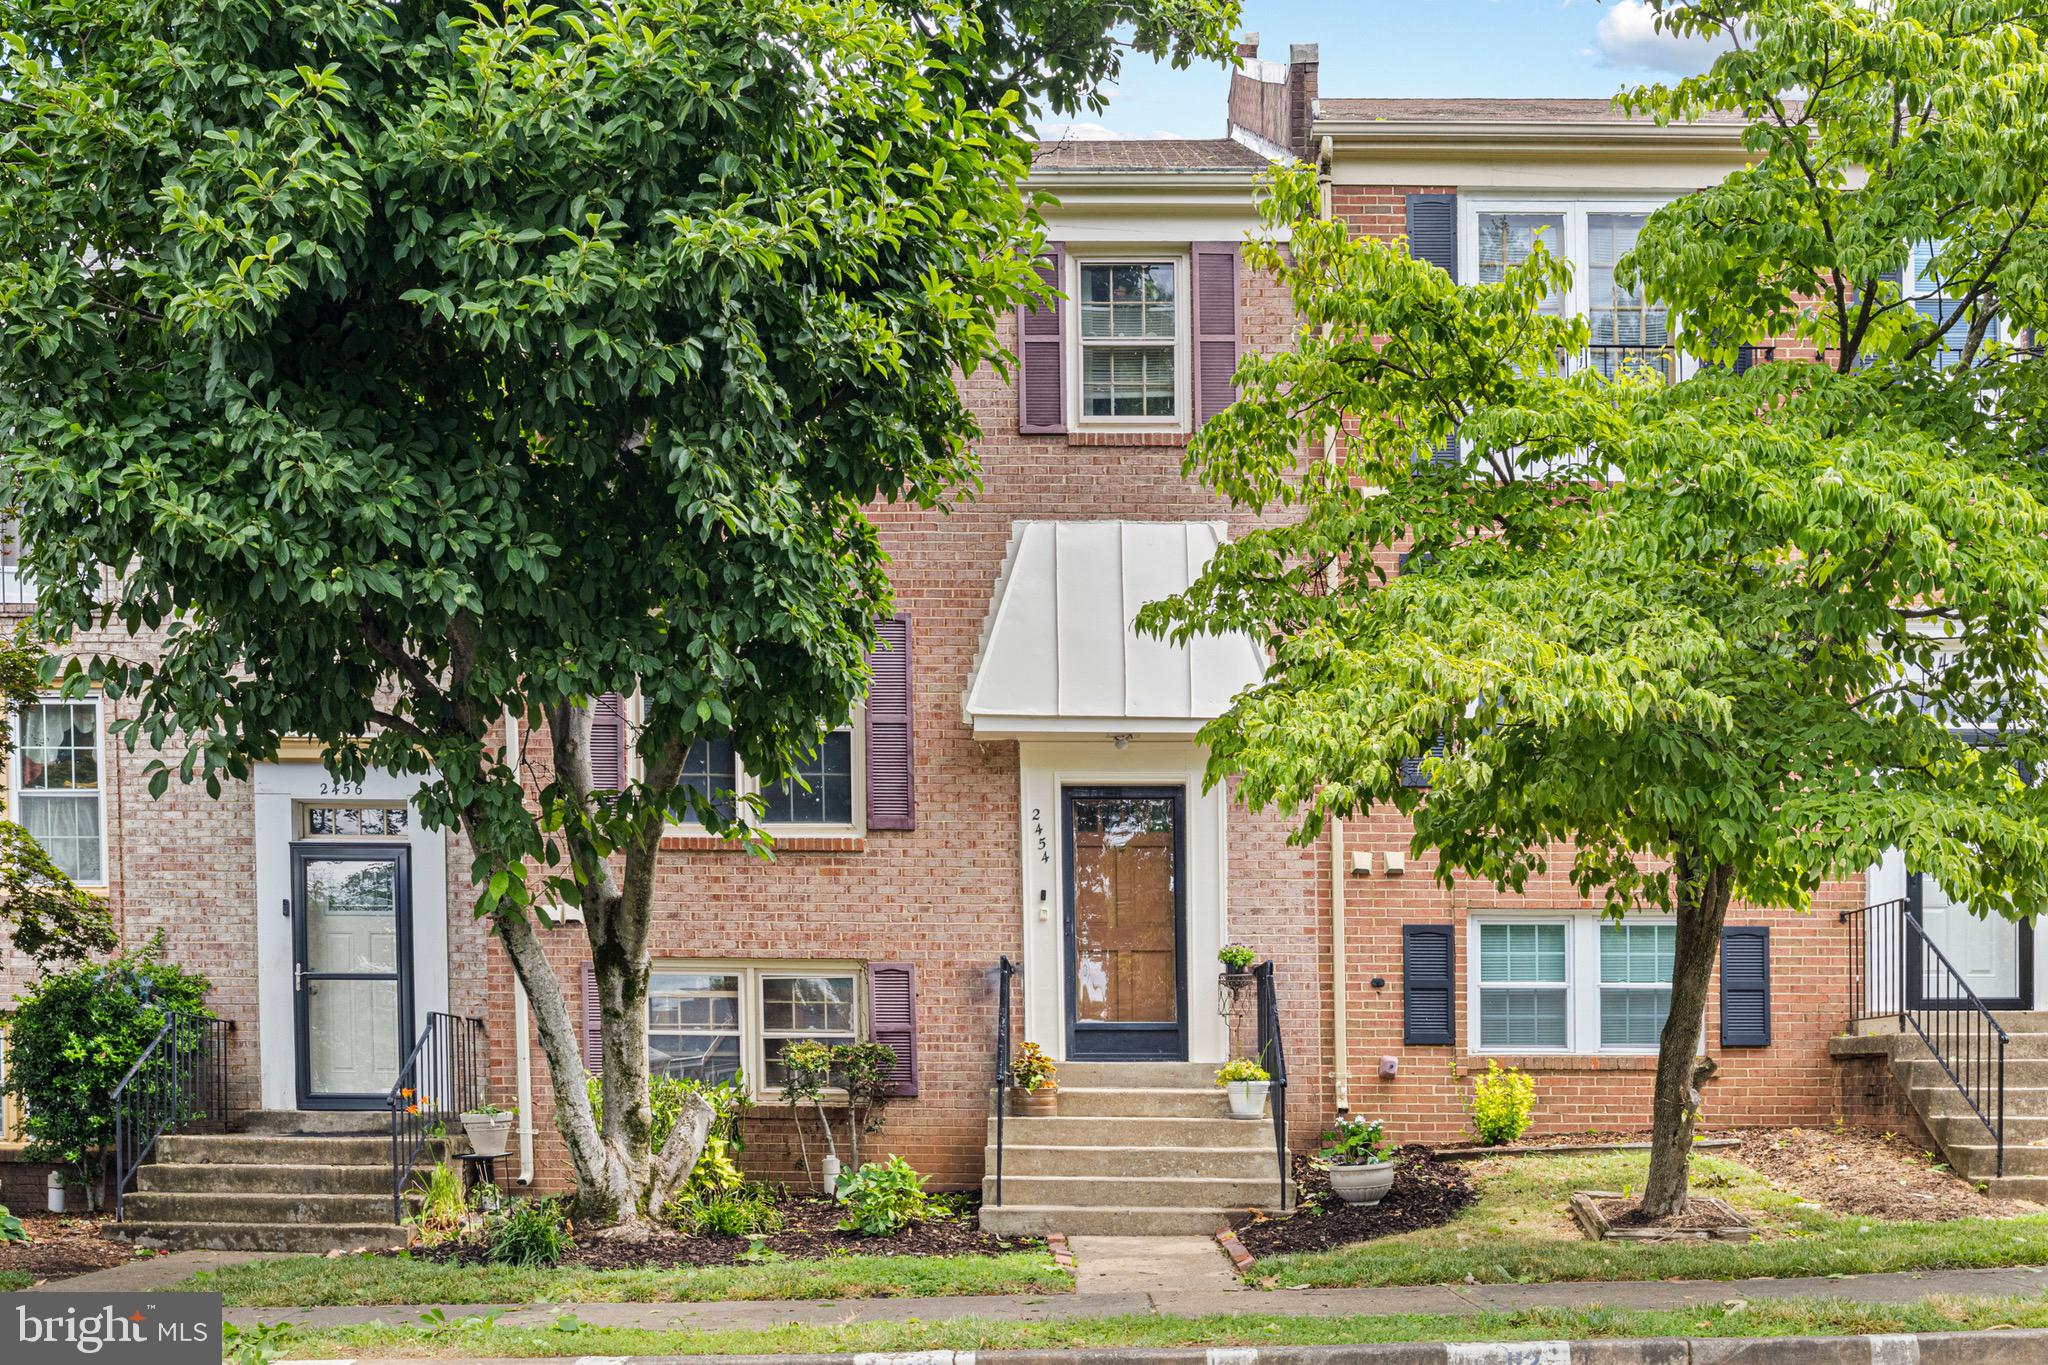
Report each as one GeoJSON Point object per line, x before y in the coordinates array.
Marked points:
{"type": "Point", "coordinates": [1237, 961]}
{"type": "Point", "coordinates": [1357, 1155]}
{"type": "Point", "coordinates": [1037, 1080]}
{"type": "Point", "coordinates": [489, 1129]}
{"type": "Point", "coordinates": [1246, 1082]}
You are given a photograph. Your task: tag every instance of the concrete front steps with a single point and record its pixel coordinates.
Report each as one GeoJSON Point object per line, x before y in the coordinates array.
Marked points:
{"type": "Point", "coordinates": [1136, 1149]}
{"type": "Point", "coordinates": [288, 1181]}
{"type": "Point", "coordinates": [1966, 1144]}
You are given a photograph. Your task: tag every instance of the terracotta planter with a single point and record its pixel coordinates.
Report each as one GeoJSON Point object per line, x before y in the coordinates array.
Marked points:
{"type": "Point", "coordinates": [489, 1134]}
{"type": "Point", "coordinates": [1362, 1185]}
{"type": "Point", "coordinates": [1247, 1098]}
{"type": "Point", "coordinates": [1042, 1103]}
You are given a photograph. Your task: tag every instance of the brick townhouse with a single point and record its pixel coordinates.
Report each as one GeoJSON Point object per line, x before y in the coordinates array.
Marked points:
{"type": "Point", "coordinates": [1024, 784]}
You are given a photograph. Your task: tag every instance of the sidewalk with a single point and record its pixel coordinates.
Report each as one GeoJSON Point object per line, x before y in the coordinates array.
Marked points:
{"type": "Point", "coordinates": [1896, 1288]}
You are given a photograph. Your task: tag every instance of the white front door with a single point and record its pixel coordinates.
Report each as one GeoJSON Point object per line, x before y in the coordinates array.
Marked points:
{"type": "Point", "coordinates": [1984, 950]}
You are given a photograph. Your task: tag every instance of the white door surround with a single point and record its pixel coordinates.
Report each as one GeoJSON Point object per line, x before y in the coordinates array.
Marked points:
{"type": "Point", "coordinates": [1985, 950]}
{"type": "Point", "coordinates": [280, 788]}
{"type": "Point", "coordinates": [1048, 767]}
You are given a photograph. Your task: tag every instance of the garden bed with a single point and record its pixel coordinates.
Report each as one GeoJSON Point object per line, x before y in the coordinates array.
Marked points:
{"type": "Point", "coordinates": [810, 1231]}
{"type": "Point", "coordinates": [62, 1245]}
{"type": "Point", "coordinates": [1427, 1193]}
{"type": "Point", "coordinates": [1871, 1176]}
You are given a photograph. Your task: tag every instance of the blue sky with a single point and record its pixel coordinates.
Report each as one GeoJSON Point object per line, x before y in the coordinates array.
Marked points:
{"type": "Point", "coordinates": [1412, 47]}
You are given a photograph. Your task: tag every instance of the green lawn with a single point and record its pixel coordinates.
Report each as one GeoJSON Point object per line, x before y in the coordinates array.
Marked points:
{"type": "Point", "coordinates": [1520, 1232]}
{"type": "Point", "coordinates": [318, 1280]}
{"type": "Point", "coordinates": [474, 1337]}
{"type": "Point", "coordinates": [11, 1280]}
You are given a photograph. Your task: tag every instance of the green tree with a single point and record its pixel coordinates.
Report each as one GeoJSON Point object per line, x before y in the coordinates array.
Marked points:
{"type": "Point", "coordinates": [420, 364]}
{"type": "Point", "coordinates": [1724, 639]}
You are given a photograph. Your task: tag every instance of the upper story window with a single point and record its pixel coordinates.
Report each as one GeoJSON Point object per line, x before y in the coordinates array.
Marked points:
{"type": "Point", "coordinates": [825, 796]}
{"type": "Point", "coordinates": [15, 587]}
{"type": "Point", "coordinates": [1628, 331]}
{"type": "Point", "coordinates": [1131, 353]}
{"type": "Point", "coordinates": [57, 785]}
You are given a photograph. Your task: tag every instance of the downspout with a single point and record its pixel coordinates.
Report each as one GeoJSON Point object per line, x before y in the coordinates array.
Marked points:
{"type": "Point", "coordinates": [1340, 1001]}
{"type": "Point", "coordinates": [522, 1047]}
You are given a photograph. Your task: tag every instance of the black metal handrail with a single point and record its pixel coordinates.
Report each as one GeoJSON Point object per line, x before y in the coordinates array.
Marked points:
{"type": "Point", "coordinates": [1273, 1057]}
{"type": "Point", "coordinates": [1006, 972]}
{"type": "Point", "coordinates": [1890, 952]}
{"type": "Point", "coordinates": [442, 1078]}
{"type": "Point", "coordinates": [179, 1081]}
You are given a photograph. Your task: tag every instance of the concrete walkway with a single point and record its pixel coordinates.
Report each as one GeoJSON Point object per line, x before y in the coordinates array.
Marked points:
{"type": "Point", "coordinates": [145, 1273]}
{"type": "Point", "coordinates": [1143, 1265]}
{"type": "Point", "coordinates": [1894, 1288]}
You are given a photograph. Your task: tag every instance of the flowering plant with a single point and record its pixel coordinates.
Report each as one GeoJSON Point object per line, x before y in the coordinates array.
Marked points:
{"type": "Point", "coordinates": [1354, 1142]}
{"type": "Point", "coordinates": [1241, 1069]}
{"type": "Point", "coordinates": [1236, 957]}
{"type": "Point", "coordinates": [1033, 1070]}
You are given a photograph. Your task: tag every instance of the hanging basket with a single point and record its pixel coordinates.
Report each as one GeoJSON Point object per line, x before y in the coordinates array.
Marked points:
{"type": "Point", "coordinates": [1234, 991]}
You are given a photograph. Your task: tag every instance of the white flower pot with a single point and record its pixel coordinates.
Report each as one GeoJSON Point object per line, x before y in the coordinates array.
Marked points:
{"type": "Point", "coordinates": [1362, 1185]}
{"type": "Point", "coordinates": [489, 1134]}
{"type": "Point", "coordinates": [1247, 1098]}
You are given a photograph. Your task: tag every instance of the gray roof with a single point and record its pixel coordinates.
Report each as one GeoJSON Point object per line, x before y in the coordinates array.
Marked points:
{"type": "Point", "coordinates": [1147, 154]}
{"type": "Point", "coordinates": [1491, 111]}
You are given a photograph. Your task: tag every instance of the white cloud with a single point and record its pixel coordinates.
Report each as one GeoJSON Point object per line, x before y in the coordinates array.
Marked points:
{"type": "Point", "coordinates": [1628, 37]}
{"type": "Point", "coordinates": [1091, 132]}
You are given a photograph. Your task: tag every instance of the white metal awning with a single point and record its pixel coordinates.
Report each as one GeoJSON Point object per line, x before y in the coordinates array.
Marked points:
{"type": "Point", "coordinates": [1060, 653]}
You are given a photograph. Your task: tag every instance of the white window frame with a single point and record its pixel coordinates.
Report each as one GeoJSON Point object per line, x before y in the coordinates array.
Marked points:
{"type": "Point", "coordinates": [1582, 984]}
{"type": "Point", "coordinates": [746, 784]}
{"type": "Point", "coordinates": [1576, 247]}
{"type": "Point", "coordinates": [99, 792]}
{"type": "Point", "coordinates": [754, 1051]}
{"type": "Point", "coordinates": [302, 813]}
{"type": "Point", "coordinates": [1183, 335]}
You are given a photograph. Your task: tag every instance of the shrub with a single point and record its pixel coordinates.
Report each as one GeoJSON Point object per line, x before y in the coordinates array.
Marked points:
{"type": "Point", "coordinates": [442, 1206]}
{"type": "Point", "coordinates": [532, 1233]}
{"type": "Point", "coordinates": [747, 1211]}
{"type": "Point", "coordinates": [11, 1227]}
{"type": "Point", "coordinates": [75, 1034]}
{"type": "Point", "coordinates": [1502, 1104]}
{"type": "Point", "coordinates": [1241, 1069]}
{"type": "Point", "coordinates": [882, 1197]}
{"type": "Point", "coordinates": [865, 1069]}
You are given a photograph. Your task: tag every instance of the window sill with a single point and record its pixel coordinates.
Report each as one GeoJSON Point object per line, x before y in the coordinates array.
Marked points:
{"type": "Point", "coordinates": [1540, 1062]}
{"type": "Point", "coordinates": [1086, 436]}
{"type": "Point", "coordinates": [784, 843]}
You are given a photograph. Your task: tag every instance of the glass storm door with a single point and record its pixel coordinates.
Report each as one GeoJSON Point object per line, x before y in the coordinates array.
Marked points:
{"type": "Point", "coordinates": [351, 974]}
{"type": "Point", "coordinates": [1994, 955]}
{"type": "Point", "coordinates": [1126, 923]}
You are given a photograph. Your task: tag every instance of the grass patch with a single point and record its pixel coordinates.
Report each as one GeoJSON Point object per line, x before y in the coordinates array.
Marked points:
{"type": "Point", "coordinates": [11, 1280]}
{"type": "Point", "coordinates": [316, 1281]}
{"type": "Point", "coordinates": [1519, 1232]}
{"type": "Point", "coordinates": [569, 1336]}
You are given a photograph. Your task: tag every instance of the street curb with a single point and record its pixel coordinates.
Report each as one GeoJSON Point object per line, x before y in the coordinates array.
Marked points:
{"type": "Point", "coordinates": [2018, 1347]}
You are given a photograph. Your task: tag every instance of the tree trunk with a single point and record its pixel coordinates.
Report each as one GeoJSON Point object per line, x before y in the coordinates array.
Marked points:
{"type": "Point", "coordinates": [1701, 891]}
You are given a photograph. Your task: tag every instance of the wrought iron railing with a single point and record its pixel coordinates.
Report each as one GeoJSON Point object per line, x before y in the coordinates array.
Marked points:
{"type": "Point", "coordinates": [1006, 972]}
{"type": "Point", "coordinates": [1273, 1057]}
{"type": "Point", "coordinates": [442, 1078]}
{"type": "Point", "coordinates": [180, 1081]}
{"type": "Point", "coordinates": [1896, 971]}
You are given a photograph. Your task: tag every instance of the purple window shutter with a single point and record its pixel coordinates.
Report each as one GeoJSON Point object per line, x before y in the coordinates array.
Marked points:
{"type": "Point", "coordinates": [1215, 327]}
{"type": "Point", "coordinates": [608, 742]}
{"type": "Point", "coordinates": [892, 1019]}
{"type": "Point", "coordinates": [593, 1021]}
{"type": "Point", "coordinates": [892, 775]}
{"type": "Point", "coordinates": [1041, 355]}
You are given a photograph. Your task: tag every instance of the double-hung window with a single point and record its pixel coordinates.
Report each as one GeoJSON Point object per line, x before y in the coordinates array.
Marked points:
{"type": "Point", "coordinates": [1629, 332]}
{"type": "Point", "coordinates": [827, 794]}
{"type": "Point", "coordinates": [1524, 985]}
{"type": "Point", "coordinates": [714, 1021]}
{"type": "Point", "coordinates": [1130, 334]}
{"type": "Point", "coordinates": [1577, 984]}
{"type": "Point", "coordinates": [57, 785]}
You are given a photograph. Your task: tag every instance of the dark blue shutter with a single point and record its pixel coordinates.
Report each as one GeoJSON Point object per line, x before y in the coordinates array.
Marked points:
{"type": "Point", "coordinates": [1428, 993]}
{"type": "Point", "coordinates": [1412, 774]}
{"type": "Point", "coordinates": [1433, 237]}
{"type": "Point", "coordinates": [1746, 986]}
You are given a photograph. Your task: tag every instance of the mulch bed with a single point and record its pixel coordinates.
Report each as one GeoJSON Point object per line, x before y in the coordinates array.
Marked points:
{"type": "Point", "coordinates": [810, 1232]}
{"type": "Point", "coordinates": [1865, 1175]}
{"type": "Point", "coordinates": [63, 1245]}
{"type": "Point", "coordinates": [1427, 1193]}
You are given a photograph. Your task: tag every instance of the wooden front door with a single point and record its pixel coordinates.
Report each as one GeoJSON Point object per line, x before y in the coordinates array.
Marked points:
{"type": "Point", "coordinates": [1126, 922]}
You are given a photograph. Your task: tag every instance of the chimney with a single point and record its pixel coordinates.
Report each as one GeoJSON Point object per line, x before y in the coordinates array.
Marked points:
{"type": "Point", "coordinates": [1271, 103]}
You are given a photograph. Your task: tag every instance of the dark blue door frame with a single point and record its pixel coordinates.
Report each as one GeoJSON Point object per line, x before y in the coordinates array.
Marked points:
{"type": "Point", "coordinates": [1097, 1040]}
